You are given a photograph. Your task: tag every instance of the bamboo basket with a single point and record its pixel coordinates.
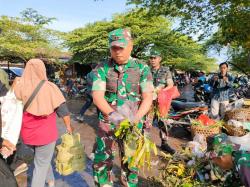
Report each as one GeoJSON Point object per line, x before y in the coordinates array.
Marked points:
{"type": "Point", "coordinates": [235, 131]}
{"type": "Point", "coordinates": [241, 114]}
{"type": "Point", "coordinates": [206, 131]}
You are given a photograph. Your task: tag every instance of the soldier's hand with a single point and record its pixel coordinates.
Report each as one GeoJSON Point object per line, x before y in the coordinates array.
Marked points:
{"type": "Point", "coordinates": [115, 117]}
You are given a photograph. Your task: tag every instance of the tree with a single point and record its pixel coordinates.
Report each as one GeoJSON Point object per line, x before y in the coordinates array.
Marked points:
{"type": "Point", "coordinates": [32, 16]}
{"type": "Point", "coordinates": [21, 41]}
{"type": "Point", "coordinates": [90, 44]}
{"type": "Point", "coordinates": [227, 21]}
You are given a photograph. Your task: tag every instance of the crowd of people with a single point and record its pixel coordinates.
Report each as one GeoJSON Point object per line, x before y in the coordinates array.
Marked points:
{"type": "Point", "coordinates": [111, 84]}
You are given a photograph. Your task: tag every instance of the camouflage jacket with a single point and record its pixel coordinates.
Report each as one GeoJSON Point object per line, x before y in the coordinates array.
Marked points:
{"type": "Point", "coordinates": [122, 83]}
{"type": "Point", "coordinates": [162, 77]}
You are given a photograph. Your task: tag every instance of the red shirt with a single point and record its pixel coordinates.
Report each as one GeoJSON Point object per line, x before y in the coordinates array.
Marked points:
{"type": "Point", "coordinates": [39, 130]}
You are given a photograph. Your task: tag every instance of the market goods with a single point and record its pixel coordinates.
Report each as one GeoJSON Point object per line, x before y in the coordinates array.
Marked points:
{"type": "Point", "coordinates": [240, 114]}
{"type": "Point", "coordinates": [70, 155]}
{"type": "Point", "coordinates": [205, 126]}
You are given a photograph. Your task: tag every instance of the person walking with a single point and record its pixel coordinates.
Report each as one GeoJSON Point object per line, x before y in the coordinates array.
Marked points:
{"type": "Point", "coordinates": [221, 83]}
{"type": "Point", "coordinates": [117, 81]}
{"type": "Point", "coordinates": [39, 129]}
{"type": "Point", "coordinates": [89, 99]}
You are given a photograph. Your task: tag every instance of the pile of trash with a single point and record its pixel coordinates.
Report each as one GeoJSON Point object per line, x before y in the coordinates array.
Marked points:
{"type": "Point", "coordinates": [203, 162]}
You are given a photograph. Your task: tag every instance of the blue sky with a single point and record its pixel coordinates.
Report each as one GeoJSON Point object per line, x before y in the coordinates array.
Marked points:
{"type": "Point", "coordinates": [70, 14]}
{"type": "Point", "coordinates": [73, 14]}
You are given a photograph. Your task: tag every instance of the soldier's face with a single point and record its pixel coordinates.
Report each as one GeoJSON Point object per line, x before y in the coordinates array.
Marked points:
{"type": "Point", "coordinates": [155, 61]}
{"type": "Point", "coordinates": [121, 55]}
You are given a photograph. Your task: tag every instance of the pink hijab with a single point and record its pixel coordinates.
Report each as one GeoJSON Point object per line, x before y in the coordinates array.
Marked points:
{"type": "Point", "coordinates": [49, 96]}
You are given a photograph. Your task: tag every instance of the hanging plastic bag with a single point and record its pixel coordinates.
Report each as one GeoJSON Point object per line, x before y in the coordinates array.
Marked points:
{"type": "Point", "coordinates": [164, 100]}
{"type": "Point", "coordinates": [11, 114]}
{"type": "Point", "coordinates": [70, 155]}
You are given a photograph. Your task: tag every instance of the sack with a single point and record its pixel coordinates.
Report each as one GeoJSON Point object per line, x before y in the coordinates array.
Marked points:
{"type": "Point", "coordinates": [243, 141]}
{"type": "Point", "coordinates": [70, 155]}
{"type": "Point", "coordinates": [6, 176]}
{"type": "Point", "coordinates": [11, 114]}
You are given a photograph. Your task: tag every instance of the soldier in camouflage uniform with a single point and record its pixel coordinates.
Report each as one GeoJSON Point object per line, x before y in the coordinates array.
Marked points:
{"type": "Point", "coordinates": [162, 79]}
{"type": "Point", "coordinates": [120, 79]}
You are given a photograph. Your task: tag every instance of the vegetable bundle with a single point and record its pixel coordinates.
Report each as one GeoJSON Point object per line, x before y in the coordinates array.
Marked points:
{"type": "Point", "coordinates": [137, 146]}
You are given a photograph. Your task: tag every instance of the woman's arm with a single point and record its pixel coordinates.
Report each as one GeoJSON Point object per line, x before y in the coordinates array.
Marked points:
{"type": "Point", "coordinates": [63, 112]}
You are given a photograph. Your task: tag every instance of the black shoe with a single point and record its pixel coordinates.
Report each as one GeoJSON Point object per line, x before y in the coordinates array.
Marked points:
{"type": "Point", "coordinates": [166, 148]}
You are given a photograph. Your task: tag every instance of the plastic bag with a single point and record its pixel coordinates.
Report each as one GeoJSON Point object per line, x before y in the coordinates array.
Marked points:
{"type": "Point", "coordinates": [205, 120]}
{"type": "Point", "coordinates": [164, 100]}
{"type": "Point", "coordinates": [235, 123]}
{"type": "Point", "coordinates": [128, 110]}
{"type": "Point", "coordinates": [70, 155]}
{"type": "Point", "coordinates": [243, 141]}
{"type": "Point", "coordinates": [198, 145]}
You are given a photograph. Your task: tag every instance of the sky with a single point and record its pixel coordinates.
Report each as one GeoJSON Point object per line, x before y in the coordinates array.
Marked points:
{"type": "Point", "coordinates": [71, 14]}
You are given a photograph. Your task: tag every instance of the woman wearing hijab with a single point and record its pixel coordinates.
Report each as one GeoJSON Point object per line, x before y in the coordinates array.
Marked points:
{"type": "Point", "coordinates": [39, 120]}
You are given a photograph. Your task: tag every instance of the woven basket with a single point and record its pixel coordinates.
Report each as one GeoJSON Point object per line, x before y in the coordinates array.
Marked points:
{"type": "Point", "coordinates": [235, 131]}
{"type": "Point", "coordinates": [241, 114]}
{"type": "Point", "coordinates": [205, 131]}
{"type": "Point", "coordinates": [247, 102]}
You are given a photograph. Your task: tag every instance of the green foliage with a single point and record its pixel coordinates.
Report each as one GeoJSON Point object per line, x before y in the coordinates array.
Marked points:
{"type": "Point", "coordinates": [227, 21]}
{"type": "Point", "coordinates": [90, 44]}
{"type": "Point", "coordinates": [32, 16]}
{"type": "Point", "coordinates": [21, 41]}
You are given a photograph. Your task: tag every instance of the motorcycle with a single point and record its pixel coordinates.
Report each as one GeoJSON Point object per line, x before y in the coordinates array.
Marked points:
{"type": "Point", "coordinates": [202, 92]}
{"type": "Point", "coordinates": [241, 88]}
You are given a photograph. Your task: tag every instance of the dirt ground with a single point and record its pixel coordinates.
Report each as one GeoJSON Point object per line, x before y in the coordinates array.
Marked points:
{"type": "Point", "coordinates": [87, 130]}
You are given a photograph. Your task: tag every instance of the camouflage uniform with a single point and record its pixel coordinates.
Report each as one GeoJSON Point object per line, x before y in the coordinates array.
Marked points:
{"type": "Point", "coordinates": [120, 83]}
{"type": "Point", "coordinates": [161, 78]}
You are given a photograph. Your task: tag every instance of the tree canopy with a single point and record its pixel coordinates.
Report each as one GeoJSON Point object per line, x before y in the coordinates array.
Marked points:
{"type": "Point", "coordinates": [227, 21]}
{"type": "Point", "coordinates": [20, 41]}
{"type": "Point", "coordinates": [90, 43]}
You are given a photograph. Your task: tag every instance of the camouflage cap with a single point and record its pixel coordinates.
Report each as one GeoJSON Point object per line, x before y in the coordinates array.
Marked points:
{"type": "Point", "coordinates": [154, 53]}
{"type": "Point", "coordinates": [119, 37]}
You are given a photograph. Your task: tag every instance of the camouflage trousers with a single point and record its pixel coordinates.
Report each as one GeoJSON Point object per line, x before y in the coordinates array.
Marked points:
{"type": "Point", "coordinates": [104, 153]}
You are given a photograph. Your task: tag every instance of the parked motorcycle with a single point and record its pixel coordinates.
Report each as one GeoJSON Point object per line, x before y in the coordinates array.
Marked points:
{"type": "Point", "coordinates": [202, 92]}
{"type": "Point", "coordinates": [241, 87]}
